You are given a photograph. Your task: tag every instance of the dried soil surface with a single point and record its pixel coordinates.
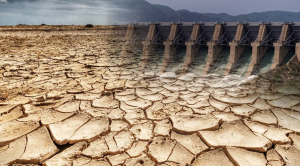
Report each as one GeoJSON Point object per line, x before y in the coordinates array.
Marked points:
{"type": "Point", "coordinates": [84, 98]}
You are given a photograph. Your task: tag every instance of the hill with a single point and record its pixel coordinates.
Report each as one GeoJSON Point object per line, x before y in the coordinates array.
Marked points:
{"type": "Point", "coordinates": [145, 12]}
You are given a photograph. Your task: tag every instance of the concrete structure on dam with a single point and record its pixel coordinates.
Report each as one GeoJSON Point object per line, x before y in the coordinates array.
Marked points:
{"type": "Point", "coordinates": [244, 48]}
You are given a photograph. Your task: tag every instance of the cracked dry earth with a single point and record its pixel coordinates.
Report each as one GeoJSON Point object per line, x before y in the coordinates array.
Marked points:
{"type": "Point", "coordinates": [89, 103]}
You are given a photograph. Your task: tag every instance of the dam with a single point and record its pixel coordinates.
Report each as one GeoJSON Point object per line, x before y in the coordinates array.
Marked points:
{"type": "Point", "coordinates": [221, 48]}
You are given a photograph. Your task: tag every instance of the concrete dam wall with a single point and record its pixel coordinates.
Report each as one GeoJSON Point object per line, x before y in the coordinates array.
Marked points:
{"type": "Point", "coordinates": [218, 48]}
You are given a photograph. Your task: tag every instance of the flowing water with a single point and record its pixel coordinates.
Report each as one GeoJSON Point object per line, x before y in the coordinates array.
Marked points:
{"type": "Point", "coordinates": [243, 63]}
{"type": "Point", "coordinates": [199, 62]}
{"type": "Point", "coordinates": [177, 62]}
{"type": "Point", "coordinates": [266, 62]}
{"type": "Point", "coordinates": [155, 61]}
{"type": "Point", "coordinates": [289, 57]}
{"type": "Point", "coordinates": [222, 62]}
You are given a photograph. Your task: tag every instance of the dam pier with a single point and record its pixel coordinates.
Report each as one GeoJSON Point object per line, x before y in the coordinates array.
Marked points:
{"type": "Point", "coordinates": [240, 48]}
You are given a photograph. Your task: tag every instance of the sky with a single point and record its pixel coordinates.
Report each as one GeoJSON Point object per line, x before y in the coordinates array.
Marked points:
{"type": "Point", "coordinates": [67, 12]}
{"type": "Point", "coordinates": [233, 7]}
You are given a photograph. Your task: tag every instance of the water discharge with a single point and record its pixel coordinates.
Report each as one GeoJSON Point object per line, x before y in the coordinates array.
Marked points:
{"type": "Point", "coordinates": [221, 63]}
{"type": "Point", "coordinates": [289, 56]}
{"type": "Point", "coordinates": [177, 62]}
{"type": "Point", "coordinates": [243, 63]}
{"type": "Point", "coordinates": [155, 61]}
{"type": "Point", "coordinates": [199, 62]}
{"type": "Point", "coordinates": [266, 62]}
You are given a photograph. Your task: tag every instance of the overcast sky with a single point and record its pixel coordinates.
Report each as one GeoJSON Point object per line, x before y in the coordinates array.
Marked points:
{"type": "Point", "coordinates": [233, 7]}
{"type": "Point", "coordinates": [82, 12]}
{"type": "Point", "coordinates": [13, 12]}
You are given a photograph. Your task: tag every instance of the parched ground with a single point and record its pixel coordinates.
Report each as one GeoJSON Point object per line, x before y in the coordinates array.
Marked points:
{"type": "Point", "coordinates": [82, 98]}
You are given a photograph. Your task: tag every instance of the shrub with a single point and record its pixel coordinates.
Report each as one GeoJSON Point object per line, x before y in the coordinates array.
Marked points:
{"type": "Point", "coordinates": [89, 26]}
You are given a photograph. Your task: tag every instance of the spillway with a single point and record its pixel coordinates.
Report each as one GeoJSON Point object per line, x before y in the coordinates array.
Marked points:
{"type": "Point", "coordinates": [154, 63]}
{"type": "Point", "coordinates": [221, 63]}
{"type": "Point", "coordinates": [177, 62]}
{"type": "Point", "coordinates": [199, 62]}
{"type": "Point", "coordinates": [266, 62]}
{"type": "Point", "coordinates": [289, 57]}
{"type": "Point", "coordinates": [243, 63]}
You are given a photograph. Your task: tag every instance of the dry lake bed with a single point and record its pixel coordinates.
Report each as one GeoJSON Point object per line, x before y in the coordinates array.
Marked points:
{"type": "Point", "coordinates": [78, 97]}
